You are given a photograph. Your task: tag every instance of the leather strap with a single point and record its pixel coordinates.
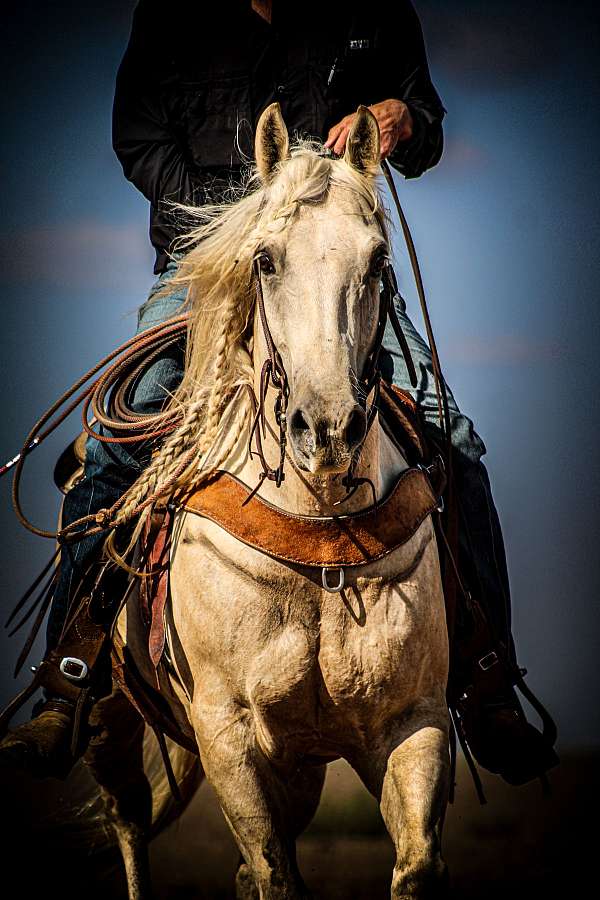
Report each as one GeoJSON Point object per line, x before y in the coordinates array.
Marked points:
{"type": "Point", "coordinates": [313, 541]}
{"type": "Point", "coordinates": [149, 702]}
{"type": "Point", "coordinates": [401, 414]}
{"type": "Point", "coordinates": [83, 639]}
{"type": "Point", "coordinates": [154, 585]}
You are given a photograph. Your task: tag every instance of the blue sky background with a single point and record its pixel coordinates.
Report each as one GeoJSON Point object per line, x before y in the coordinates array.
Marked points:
{"type": "Point", "coordinates": [507, 232]}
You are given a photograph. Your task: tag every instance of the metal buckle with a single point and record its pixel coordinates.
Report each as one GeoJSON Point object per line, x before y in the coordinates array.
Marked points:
{"type": "Point", "coordinates": [490, 659]}
{"type": "Point", "coordinates": [438, 463]}
{"type": "Point", "coordinates": [74, 669]}
{"type": "Point", "coordinates": [339, 586]}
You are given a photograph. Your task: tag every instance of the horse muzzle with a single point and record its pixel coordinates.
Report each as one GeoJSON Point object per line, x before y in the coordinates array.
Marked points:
{"type": "Point", "coordinates": [324, 442]}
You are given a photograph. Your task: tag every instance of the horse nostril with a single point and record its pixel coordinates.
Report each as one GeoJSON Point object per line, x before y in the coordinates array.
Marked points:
{"type": "Point", "coordinates": [298, 422]}
{"type": "Point", "coordinates": [355, 427]}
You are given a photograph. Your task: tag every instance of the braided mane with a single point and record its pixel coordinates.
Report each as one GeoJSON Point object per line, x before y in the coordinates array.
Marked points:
{"type": "Point", "coordinates": [216, 270]}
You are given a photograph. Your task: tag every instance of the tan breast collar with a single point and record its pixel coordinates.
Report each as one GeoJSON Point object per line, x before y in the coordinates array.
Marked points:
{"type": "Point", "coordinates": [331, 542]}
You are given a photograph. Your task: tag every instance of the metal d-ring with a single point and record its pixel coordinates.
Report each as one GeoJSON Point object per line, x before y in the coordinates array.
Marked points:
{"type": "Point", "coordinates": [339, 586]}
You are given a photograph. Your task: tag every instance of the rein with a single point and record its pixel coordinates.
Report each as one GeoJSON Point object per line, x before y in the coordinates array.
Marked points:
{"type": "Point", "coordinates": [440, 384]}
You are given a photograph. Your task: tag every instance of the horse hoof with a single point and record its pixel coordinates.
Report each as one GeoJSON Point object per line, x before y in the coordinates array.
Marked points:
{"type": "Point", "coordinates": [245, 886]}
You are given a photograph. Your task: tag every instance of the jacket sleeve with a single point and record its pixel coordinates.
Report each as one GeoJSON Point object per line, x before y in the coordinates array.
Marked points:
{"type": "Point", "coordinates": [404, 75]}
{"type": "Point", "coordinates": [144, 138]}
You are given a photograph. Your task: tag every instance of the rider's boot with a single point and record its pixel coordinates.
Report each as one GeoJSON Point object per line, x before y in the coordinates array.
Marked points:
{"type": "Point", "coordinates": [42, 746]}
{"type": "Point", "coordinates": [73, 676]}
{"type": "Point", "coordinates": [489, 717]}
{"type": "Point", "coordinates": [488, 713]}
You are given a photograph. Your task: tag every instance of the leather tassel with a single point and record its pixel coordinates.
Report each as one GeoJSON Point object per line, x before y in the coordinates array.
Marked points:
{"type": "Point", "coordinates": [471, 764]}
{"type": "Point", "coordinates": [30, 590]}
{"type": "Point", "coordinates": [164, 751]}
{"type": "Point", "coordinates": [42, 596]}
{"type": "Point", "coordinates": [77, 720]}
{"type": "Point", "coordinates": [34, 630]}
{"type": "Point", "coordinates": [16, 704]}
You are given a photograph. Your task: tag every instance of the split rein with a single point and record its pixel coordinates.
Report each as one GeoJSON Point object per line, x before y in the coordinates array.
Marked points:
{"type": "Point", "coordinates": [106, 397]}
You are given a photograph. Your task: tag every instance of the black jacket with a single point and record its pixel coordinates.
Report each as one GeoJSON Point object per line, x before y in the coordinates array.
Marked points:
{"type": "Point", "coordinates": [192, 84]}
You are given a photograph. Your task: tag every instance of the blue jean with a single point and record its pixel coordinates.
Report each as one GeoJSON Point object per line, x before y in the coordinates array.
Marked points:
{"type": "Point", "coordinates": [111, 469]}
{"type": "Point", "coordinates": [482, 556]}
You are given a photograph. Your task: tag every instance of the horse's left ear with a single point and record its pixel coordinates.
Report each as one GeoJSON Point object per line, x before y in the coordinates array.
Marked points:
{"type": "Point", "coordinates": [271, 143]}
{"type": "Point", "coordinates": [362, 146]}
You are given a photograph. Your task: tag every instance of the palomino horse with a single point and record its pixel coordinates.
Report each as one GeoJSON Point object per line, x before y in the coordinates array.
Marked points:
{"type": "Point", "coordinates": [279, 672]}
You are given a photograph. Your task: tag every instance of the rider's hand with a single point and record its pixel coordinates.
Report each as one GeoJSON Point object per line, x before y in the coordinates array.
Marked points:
{"type": "Point", "coordinates": [395, 124]}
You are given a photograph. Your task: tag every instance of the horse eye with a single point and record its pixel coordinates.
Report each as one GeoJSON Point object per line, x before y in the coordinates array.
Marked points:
{"type": "Point", "coordinates": [378, 264]}
{"type": "Point", "coordinates": [265, 263]}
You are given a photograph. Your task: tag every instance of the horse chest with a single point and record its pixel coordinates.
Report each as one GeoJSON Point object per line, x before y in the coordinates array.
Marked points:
{"type": "Point", "coordinates": [305, 661]}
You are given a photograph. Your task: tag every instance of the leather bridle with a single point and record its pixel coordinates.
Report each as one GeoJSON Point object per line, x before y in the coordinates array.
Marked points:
{"type": "Point", "coordinates": [273, 371]}
{"type": "Point", "coordinates": [273, 375]}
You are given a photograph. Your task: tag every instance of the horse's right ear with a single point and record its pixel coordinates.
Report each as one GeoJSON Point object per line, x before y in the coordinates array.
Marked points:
{"type": "Point", "coordinates": [271, 143]}
{"type": "Point", "coordinates": [362, 145]}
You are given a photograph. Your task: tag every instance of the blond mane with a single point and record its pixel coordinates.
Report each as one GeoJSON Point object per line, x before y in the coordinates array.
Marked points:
{"type": "Point", "coordinates": [216, 270]}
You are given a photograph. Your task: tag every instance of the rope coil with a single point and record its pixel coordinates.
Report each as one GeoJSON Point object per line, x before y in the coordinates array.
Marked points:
{"type": "Point", "coordinates": [105, 396]}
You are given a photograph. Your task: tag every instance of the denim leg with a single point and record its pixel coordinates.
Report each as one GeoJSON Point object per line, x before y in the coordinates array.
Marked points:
{"type": "Point", "coordinates": [482, 554]}
{"type": "Point", "coordinates": [112, 468]}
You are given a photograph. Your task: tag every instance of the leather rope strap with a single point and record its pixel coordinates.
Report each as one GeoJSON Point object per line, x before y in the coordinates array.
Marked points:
{"type": "Point", "coordinates": [440, 385]}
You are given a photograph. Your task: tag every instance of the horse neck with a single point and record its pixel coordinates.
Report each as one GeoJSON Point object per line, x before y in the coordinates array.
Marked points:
{"type": "Point", "coordinates": [305, 494]}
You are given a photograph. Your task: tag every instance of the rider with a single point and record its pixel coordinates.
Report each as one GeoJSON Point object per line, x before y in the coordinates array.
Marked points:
{"type": "Point", "coordinates": [186, 99]}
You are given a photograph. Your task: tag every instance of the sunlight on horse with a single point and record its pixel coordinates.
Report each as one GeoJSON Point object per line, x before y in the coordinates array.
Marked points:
{"type": "Point", "coordinates": [276, 676]}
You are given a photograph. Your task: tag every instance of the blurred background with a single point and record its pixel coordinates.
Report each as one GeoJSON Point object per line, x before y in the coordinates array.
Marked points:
{"type": "Point", "coordinates": [507, 231]}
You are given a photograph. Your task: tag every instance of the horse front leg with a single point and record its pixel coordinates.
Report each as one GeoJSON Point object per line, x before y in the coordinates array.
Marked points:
{"type": "Point", "coordinates": [253, 796]}
{"type": "Point", "coordinates": [410, 776]}
{"type": "Point", "coordinates": [115, 759]}
{"type": "Point", "coordinates": [302, 792]}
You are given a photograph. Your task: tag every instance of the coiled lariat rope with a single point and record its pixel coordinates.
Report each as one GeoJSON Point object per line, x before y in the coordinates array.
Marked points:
{"type": "Point", "coordinates": [107, 399]}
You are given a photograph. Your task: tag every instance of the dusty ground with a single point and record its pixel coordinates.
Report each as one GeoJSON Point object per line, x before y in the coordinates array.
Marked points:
{"type": "Point", "coordinates": [521, 845]}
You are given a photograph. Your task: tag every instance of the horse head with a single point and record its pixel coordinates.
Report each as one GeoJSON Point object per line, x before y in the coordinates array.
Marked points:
{"type": "Point", "coordinates": [319, 261]}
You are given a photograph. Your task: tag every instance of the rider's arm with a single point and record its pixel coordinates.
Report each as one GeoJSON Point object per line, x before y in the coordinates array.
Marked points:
{"type": "Point", "coordinates": [144, 139]}
{"type": "Point", "coordinates": [404, 75]}
{"type": "Point", "coordinates": [400, 93]}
